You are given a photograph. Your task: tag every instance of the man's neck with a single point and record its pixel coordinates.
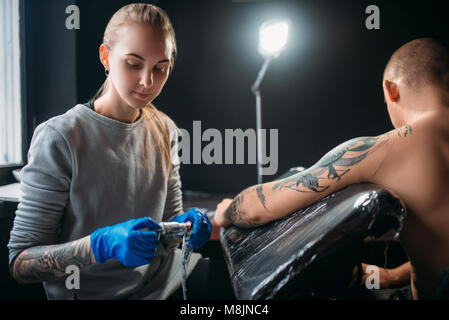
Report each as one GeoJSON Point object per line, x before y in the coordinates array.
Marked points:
{"type": "Point", "coordinates": [428, 102]}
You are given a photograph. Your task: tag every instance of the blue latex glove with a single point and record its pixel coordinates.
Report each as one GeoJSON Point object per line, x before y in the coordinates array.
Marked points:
{"type": "Point", "coordinates": [202, 228]}
{"type": "Point", "coordinates": [126, 242]}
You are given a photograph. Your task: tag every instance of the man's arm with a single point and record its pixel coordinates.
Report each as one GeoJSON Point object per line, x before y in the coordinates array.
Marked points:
{"type": "Point", "coordinates": [354, 161]}
{"type": "Point", "coordinates": [388, 278]}
{"type": "Point", "coordinates": [43, 263]}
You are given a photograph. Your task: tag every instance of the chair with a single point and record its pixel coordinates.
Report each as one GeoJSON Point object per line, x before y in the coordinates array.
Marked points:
{"type": "Point", "coordinates": [312, 252]}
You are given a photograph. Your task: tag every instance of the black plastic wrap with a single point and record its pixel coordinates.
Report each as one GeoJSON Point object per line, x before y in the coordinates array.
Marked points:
{"type": "Point", "coordinates": [310, 253]}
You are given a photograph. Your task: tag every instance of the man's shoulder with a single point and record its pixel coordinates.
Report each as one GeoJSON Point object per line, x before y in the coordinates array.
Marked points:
{"type": "Point", "coordinates": [409, 156]}
{"type": "Point", "coordinates": [426, 134]}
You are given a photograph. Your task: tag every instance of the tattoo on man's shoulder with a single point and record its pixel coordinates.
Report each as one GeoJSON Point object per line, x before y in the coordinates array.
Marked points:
{"type": "Point", "coordinates": [404, 131]}
{"type": "Point", "coordinates": [332, 166]}
{"type": "Point", "coordinates": [259, 190]}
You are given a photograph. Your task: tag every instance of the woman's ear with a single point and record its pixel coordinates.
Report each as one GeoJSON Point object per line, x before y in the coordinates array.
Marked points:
{"type": "Point", "coordinates": [104, 56]}
{"type": "Point", "coordinates": [391, 90]}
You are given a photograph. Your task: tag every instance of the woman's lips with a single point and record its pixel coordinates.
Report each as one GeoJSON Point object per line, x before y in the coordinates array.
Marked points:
{"type": "Point", "coordinates": [140, 95]}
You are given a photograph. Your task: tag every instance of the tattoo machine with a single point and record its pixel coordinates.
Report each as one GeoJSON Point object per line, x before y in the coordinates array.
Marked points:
{"type": "Point", "coordinates": [175, 228]}
{"type": "Point", "coordinates": [171, 230]}
{"type": "Point", "coordinates": [174, 231]}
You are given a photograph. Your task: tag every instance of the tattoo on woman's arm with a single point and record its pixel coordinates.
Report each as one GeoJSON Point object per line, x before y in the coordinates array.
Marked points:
{"type": "Point", "coordinates": [49, 262]}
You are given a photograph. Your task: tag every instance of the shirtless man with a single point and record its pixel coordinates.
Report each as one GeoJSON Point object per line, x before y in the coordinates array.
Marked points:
{"type": "Point", "coordinates": [411, 161]}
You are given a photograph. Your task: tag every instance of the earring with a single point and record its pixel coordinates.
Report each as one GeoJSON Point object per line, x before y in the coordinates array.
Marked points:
{"type": "Point", "coordinates": [106, 71]}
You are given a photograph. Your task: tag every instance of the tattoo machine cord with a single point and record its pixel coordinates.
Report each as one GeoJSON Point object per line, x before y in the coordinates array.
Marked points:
{"type": "Point", "coordinates": [174, 229]}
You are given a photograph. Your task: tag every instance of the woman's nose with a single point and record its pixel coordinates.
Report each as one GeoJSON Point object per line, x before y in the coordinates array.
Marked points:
{"type": "Point", "coordinates": [147, 80]}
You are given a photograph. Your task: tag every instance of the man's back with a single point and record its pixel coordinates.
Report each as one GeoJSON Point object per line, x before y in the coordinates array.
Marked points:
{"type": "Point", "coordinates": [416, 168]}
{"type": "Point", "coordinates": [411, 161]}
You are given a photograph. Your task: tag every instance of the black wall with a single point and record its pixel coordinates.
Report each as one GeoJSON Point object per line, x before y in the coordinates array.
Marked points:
{"type": "Point", "coordinates": [50, 64]}
{"type": "Point", "coordinates": [324, 89]}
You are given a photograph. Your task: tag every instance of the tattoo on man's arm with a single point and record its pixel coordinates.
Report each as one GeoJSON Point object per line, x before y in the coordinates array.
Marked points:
{"type": "Point", "coordinates": [49, 262]}
{"type": "Point", "coordinates": [259, 190]}
{"type": "Point", "coordinates": [332, 166]}
{"type": "Point", "coordinates": [234, 214]}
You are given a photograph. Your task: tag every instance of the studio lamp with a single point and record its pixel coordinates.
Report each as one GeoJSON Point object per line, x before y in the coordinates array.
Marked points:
{"type": "Point", "coordinates": [273, 36]}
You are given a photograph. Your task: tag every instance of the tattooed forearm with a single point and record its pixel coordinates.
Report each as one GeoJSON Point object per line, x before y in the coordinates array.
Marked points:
{"type": "Point", "coordinates": [261, 195]}
{"type": "Point", "coordinates": [235, 215]}
{"type": "Point", "coordinates": [49, 262]}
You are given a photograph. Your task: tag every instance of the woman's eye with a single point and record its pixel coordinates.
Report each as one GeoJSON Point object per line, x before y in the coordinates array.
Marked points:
{"type": "Point", "coordinates": [133, 65]}
{"type": "Point", "coordinates": [161, 69]}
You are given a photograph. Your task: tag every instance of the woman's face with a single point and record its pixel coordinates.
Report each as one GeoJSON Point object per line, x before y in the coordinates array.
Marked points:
{"type": "Point", "coordinates": [139, 64]}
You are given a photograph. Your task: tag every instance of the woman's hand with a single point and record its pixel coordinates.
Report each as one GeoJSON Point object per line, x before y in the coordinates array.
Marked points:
{"type": "Point", "coordinates": [201, 227]}
{"type": "Point", "coordinates": [126, 242]}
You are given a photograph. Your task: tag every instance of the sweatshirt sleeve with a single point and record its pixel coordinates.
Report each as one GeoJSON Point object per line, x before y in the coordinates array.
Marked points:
{"type": "Point", "coordinates": [45, 184]}
{"type": "Point", "coordinates": [173, 204]}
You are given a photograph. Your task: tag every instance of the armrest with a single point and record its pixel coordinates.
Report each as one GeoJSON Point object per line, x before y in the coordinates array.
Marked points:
{"type": "Point", "coordinates": [314, 249]}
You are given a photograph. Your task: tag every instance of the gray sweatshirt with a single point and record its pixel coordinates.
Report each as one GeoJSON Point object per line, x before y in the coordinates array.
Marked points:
{"type": "Point", "coordinates": [87, 171]}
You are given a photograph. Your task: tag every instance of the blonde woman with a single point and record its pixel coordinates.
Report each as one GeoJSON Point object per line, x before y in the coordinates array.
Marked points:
{"type": "Point", "coordinates": [102, 176]}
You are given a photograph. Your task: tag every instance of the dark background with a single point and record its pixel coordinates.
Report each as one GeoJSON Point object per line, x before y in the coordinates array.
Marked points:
{"type": "Point", "coordinates": [324, 89]}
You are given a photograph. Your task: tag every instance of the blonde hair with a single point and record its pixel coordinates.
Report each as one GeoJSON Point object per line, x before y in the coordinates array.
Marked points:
{"type": "Point", "coordinates": [157, 18]}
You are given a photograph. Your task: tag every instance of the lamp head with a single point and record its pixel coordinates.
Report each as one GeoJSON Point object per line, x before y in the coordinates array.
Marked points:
{"type": "Point", "coordinates": [273, 36]}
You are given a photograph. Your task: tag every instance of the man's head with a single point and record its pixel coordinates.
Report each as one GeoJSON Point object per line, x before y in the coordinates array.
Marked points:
{"type": "Point", "coordinates": [415, 78]}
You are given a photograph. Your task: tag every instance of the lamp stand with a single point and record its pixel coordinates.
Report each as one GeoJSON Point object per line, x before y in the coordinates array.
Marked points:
{"type": "Point", "coordinates": [255, 88]}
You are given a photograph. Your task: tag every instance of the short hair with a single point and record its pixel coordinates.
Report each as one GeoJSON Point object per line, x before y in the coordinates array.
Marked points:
{"type": "Point", "coordinates": [420, 62]}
